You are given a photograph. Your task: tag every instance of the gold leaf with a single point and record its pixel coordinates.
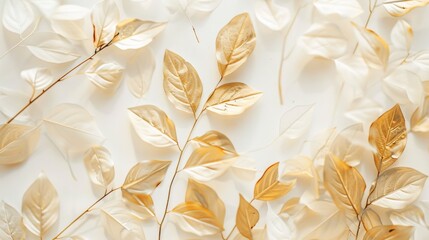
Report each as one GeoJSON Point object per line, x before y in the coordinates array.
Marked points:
{"type": "Point", "coordinates": [390, 232]}
{"type": "Point", "coordinates": [17, 142]}
{"type": "Point", "coordinates": [40, 206]}
{"type": "Point", "coordinates": [345, 184]}
{"type": "Point", "coordinates": [232, 99]}
{"type": "Point", "coordinates": [207, 197]}
{"type": "Point", "coordinates": [215, 139]}
{"type": "Point", "coordinates": [104, 17]}
{"type": "Point", "coordinates": [153, 125]}
{"type": "Point", "coordinates": [371, 219]}
{"type": "Point", "coordinates": [141, 203]}
{"type": "Point", "coordinates": [247, 217]}
{"type": "Point", "coordinates": [193, 217]}
{"type": "Point", "coordinates": [268, 186]}
{"type": "Point", "coordinates": [234, 43]}
{"type": "Point", "coordinates": [398, 8]}
{"type": "Point", "coordinates": [145, 176]}
{"type": "Point", "coordinates": [11, 227]}
{"type": "Point", "coordinates": [389, 136]}
{"type": "Point", "coordinates": [397, 188]}
{"type": "Point", "coordinates": [99, 166]}
{"type": "Point", "coordinates": [182, 85]}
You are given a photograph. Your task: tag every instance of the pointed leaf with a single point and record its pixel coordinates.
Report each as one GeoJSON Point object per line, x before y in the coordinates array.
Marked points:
{"type": "Point", "coordinates": [140, 203]}
{"type": "Point", "coordinates": [39, 78]}
{"type": "Point", "coordinates": [389, 232]}
{"type": "Point", "coordinates": [11, 227]}
{"type": "Point", "coordinates": [99, 166]}
{"type": "Point", "coordinates": [69, 21]}
{"type": "Point", "coordinates": [17, 142]}
{"type": "Point", "coordinates": [398, 8]}
{"type": "Point", "coordinates": [120, 224]}
{"type": "Point", "coordinates": [18, 15]}
{"type": "Point", "coordinates": [139, 72]}
{"type": "Point", "coordinates": [105, 17]}
{"type": "Point", "coordinates": [215, 139]}
{"type": "Point", "coordinates": [402, 35]}
{"type": "Point", "coordinates": [52, 48]}
{"type": "Point", "coordinates": [246, 219]}
{"type": "Point", "coordinates": [272, 15]}
{"type": "Point", "coordinates": [269, 187]}
{"type": "Point", "coordinates": [106, 76]}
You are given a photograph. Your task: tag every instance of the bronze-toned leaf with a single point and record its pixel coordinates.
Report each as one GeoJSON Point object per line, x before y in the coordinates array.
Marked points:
{"type": "Point", "coordinates": [370, 218]}
{"type": "Point", "coordinates": [207, 197]}
{"type": "Point", "coordinates": [17, 142]}
{"type": "Point", "coordinates": [153, 125]}
{"type": "Point", "coordinates": [398, 8]}
{"type": "Point", "coordinates": [389, 136]}
{"type": "Point", "coordinates": [11, 227]}
{"type": "Point", "coordinates": [182, 85]}
{"type": "Point", "coordinates": [269, 187]}
{"type": "Point", "coordinates": [145, 176]}
{"type": "Point", "coordinates": [141, 203]}
{"type": "Point", "coordinates": [390, 232]}
{"type": "Point", "coordinates": [397, 188]}
{"type": "Point", "coordinates": [247, 217]}
{"type": "Point", "coordinates": [234, 43]}
{"type": "Point", "coordinates": [100, 167]}
{"type": "Point", "coordinates": [232, 99]}
{"type": "Point", "coordinates": [215, 139]}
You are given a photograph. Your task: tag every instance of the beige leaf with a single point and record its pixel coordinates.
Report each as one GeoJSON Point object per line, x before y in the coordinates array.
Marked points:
{"type": "Point", "coordinates": [120, 224]}
{"type": "Point", "coordinates": [17, 142]}
{"type": "Point", "coordinates": [194, 218]}
{"type": "Point", "coordinates": [410, 216]}
{"type": "Point", "coordinates": [420, 118]}
{"type": "Point", "coordinates": [232, 99]}
{"type": "Point", "coordinates": [246, 219]}
{"type": "Point", "coordinates": [390, 232]}
{"type": "Point", "coordinates": [207, 197]}
{"type": "Point", "coordinates": [351, 145]}
{"type": "Point", "coordinates": [140, 203]}
{"type": "Point", "coordinates": [397, 188]}
{"type": "Point", "coordinates": [324, 40]}
{"type": "Point", "coordinates": [153, 125]}
{"type": "Point", "coordinates": [215, 139]}
{"type": "Point", "coordinates": [100, 167]}
{"type": "Point", "coordinates": [38, 78]}
{"type": "Point", "coordinates": [234, 43]}
{"type": "Point", "coordinates": [182, 85]}
{"type": "Point", "coordinates": [11, 227]}
{"type": "Point", "coordinates": [347, 9]}
{"type": "Point", "coordinates": [371, 219]}
{"type": "Point", "coordinates": [269, 187]}
{"type": "Point", "coordinates": [104, 16]}
{"type": "Point", "coordinates": [257, 233]}
{"type": "Point", "coordinates": [399, 8]}
{"type": "Point", "coordinates": [106, 76]}
{"type": "Point", "coordinates": [388, 135]}
{"type": "Point", "coordinates": [40, 206]}
{"type": "Point", "coordinates": [140, 69]}
{"type": "Point", "coordinates": [402, 35]}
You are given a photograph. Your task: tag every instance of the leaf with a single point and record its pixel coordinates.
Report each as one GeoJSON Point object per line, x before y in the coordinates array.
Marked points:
{"type": "Point", "coordinates": [39, 78]}
{"type": "Point", "coordinates": [135, 33]}
{"type": "Point", "coordinates": [389, 232]}
{"type": "Point", "coordinates": [138, 76]}
{"type": "Point", "coordinates": [403, 87]}
{"type": "Point", "coordinates": [140, 203]}
{"type": "Point", "coordinates": [346, 9]}
{"type": "Point", "coordinates": [182, 85]}
{"type": "Point", "coordinates": [232, 99]}
{"type": "Point", "coordinates": [402, 35]}
{"type": "Point", "coordinates": [234, 43]}
{"type": "Point", "coordinates": [120, 224]}
{"type": "Point", "coordinates": [40, 206]}
{"type": "Point", "coordinates": [370, 218]}
{"type": "Point", "coordinates": [46, 7]}
{"type": "Point", "coordinates": [52, 48]}
{"type": "Point", "coordinates": [69, 21]}
{"type": "Point", "coordinates": [299, 166]}
{"type": "Point", "coordinates": [398, 8]}
{"type": "Point", "coordinates": [419, 119]}
{"type": "Point", "coordinates": [296, 121]}
{"type": "Point", "coordinates": [324, 40]}
{"type": "Point", "coordinates": [410, 216]}
{"type": "Point", "coordinates": [153, 125]}
{"type": "Point", "coordinates": [18, 16]}
{"type": "Point", "coordinates": [11, 101]}
{"type": "Point", "coordinates": [246, 219]}
{"type": "Point", "coordinates": [269, 187]}
{"type": "Point", "coordinates": [194, 218]}
{"type": "Point", "coordinates": [388, 135]}
{"type": "Point", "coordinates": [345, 185]}
{"type": "Point", "coordinates": [398, 187]}
{"type": "Point", "coordinates": [106, 76]}
{"type": "Point", "coordinates": [191, 7]}
{"type": "Point", "coordinates": [363, 110]}
{"type": "Point", "coordinates": [11, 227]}
{"type": "Point", "coordinates": [17, 142]}
{"type": "Point", "coordinates": [100, 167]}
{"type": "Point", "coordinates": [258, 233]}
{"type": "Point", "coordinates": [217, 139]}
{"type": "Point", "coordinates": [145, 176]}
{"type": "Point", "coordinates": [277, 228]}
{"type": "Point", "coordinates": [104, 17]}
{"type": "Point", "coordinates": [207, 197]}
{"type": "Point", "coordinates": [272, 15]}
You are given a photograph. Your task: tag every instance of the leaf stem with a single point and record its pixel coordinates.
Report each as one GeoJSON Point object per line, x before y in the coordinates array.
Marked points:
{"type": "Point", "coordinates": [371, 7]}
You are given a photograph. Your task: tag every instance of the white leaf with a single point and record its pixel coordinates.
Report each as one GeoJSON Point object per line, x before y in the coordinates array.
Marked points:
{"type": "Point", "coordinates": [420, 59]}
{"type": "Point", "coordinates": [46, 7]}
{"type": "Point", "coordinates": [295, 167]}
{"type": "Point", "coordinates": [18, 15]}
{"type": "Point", "coordinates": [11, 102]}
{"type": "Point", "coordinates": [272, 15]}
{"type": "Point", "coordinates": [324, 40]}
{"type": "Point", "coordinates": [403, 87]}
{"type": "Point", "coordinates": [296, 121]}
{"type": "Point", "coordinates": [11, 227]}
{"type": "Point", "coordinates": [277, 227]}
{"type": "Point", "coordinates": [353, 70]}
{"type": "Point", "coordinates": [72, 129]}
{"type": "Point", "coordinates": [139, 72]}
{"type": "Point", "coordinates": [411, 215]}
{"type": "Point", "coordinates": [120, 224]}
{"type": "Point", "coordinates": [363, 110]}
{"type": "Point", "coordinates": [99, 166]}
{"type": "Point", "coordinates": [191, 7]}
{"type": "Point", "coordinates": [39, 78]}
{"type": "Point", "coordinates": [343, 8]}
{"type": "Point", "coordinates": [17, 142]}
{"type": "Point", "coordinates": [105, 17]}
{"type": "Point", "coordinates": [351, 144]}
{"type": "Point", "coordinates": [106, 76]}
{"type": "Point", "coordinates": [68, 20]}
{"type": "Point", "coordinates": [402, 35]}
{"type": "Point", "coordinates": [52, 48]}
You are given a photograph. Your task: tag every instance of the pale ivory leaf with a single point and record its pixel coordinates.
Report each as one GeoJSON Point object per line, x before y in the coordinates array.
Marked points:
{"type": "Point", "coordinates": [104, 17]}
{"type": "Point", "coordinates": [272, 15]}
{"type": "Point", "coordinates": [68, 21]}
{"type": "Point", "coordinates": [17, 142]}
{"type": "Point", "coordinates": [141, 204]}
{"type": "Point", "coordinates": [207, 163]}
{"type": "Point", "coordinates": [390, 232]}
{"type": "Point", "coordinates": [139, 72]}
{"type": "Point", "coordinates": [153, 125]}
{"type": "Point", "coordinates": [46, 7]}
{"type": "Point", "coordinates": [106, 76]}
{"type": "Point", "coordinates": [346, 9]}
{"type": "Point", "coordinates": [234, 43]}
{"type": "Point", "coordinates": [145, 176]}
{"type": "Point", "coordinates": [324, 40]}
{"type": "Point", "coordinates": [232, 99]}
{"type": "Point", "coordinates": [299, 166]}
{"type": "Point", "coordinates": [331, 227]}
{"type": "Point", "coordinates": [38, 78]}
{"type": "Point", "coordinates": [420, 59]}
{"type": "Point", "coordinates": [420, 117]}
{"type": "Point", "coordinates": [399, 8]}
{"type": "Point", "coordinates": [207, 197]}
{"type": "Point", "coordinates": [353, 70]}
{"type": "Point", "coordinates": [72, 129]}
{"type": "Point", "coordinates": [192, 217]}
{"type": "Point", "coordinates": [191, 7]}
{"type": "Point", "coordinates": [257, 233]}
{"type": "Point", "coordinates": [217, 139]}
{"type": "Point", "coordinates": [403, 87]}
{"type": "Point", "coordinates": [295, 122]}
{"type": "Point", "coordinates": [388, 135]}
{"type": "Point", "coordinates": [11, 102]}
{"type": "Point", "coordinates": [363, 110]}
{"type": "Point", "coordinates": [277, 228]}
{"type": "Point", "coordinates": [40, 206]}
{"type": "Point", "coordinates": [402, 35]}
{"type": "Point", "coordinates": [135, 33]}
{"type": "Point", "coordinates": [345, 185]}
{"type": "Point", "coordinates": [370, 218]}
{"type": "Point", "coordinates": [18, 15]}
{"type": "Point", "coordinates": [182, 84]}
{"type": "Point", "coordinates": [351, 145]}
{"type": "Point", "coordinates": [120, 224]}
{"type": "Point", "coordinates": [397, 188]}
{"type": "Point", "coordinates": [247, 217]}
{"type": "Point", "coordinates": [100, 166]}
{"type": "Point", "coordinates": [374, 49]}
{"type": "Point", "coordinates": [269, 187]}
{"type": "Point", "coordinates": [11, 227]}
{"type": "Point", "coordinates": [410, 216]}
{"type": "Point", "coordinates": [52, 48]}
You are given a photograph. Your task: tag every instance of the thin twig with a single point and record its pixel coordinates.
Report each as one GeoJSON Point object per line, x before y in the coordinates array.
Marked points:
{"type": "Point", "coordinates": [192, 25]}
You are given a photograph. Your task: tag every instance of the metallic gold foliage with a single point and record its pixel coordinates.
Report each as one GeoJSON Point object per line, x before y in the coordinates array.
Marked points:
{"type": "Point", "coordinates": [269, 187]}
{"type": "Point", "coordinates": [17, 142]}
{"type": "Point", "coordinates": [247, 217]}
{"type": "Point", "coordinates": [389, 232]}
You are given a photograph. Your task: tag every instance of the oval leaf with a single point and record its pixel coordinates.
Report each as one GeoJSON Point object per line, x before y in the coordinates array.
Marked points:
{"type": "Point", "coordinates": [99, 166]}
{"type": "Point", "coordinates": [18, 15]}
{"type": "Point", "coordinates": [269, 187]}
{"type": "Point", "coordinates": [272, 15]}
{"type": "Point", "coordinates": [38, 78]}
{"type": "Point", "coordinates": [246, 219]}
{"type": "Point", "coordinates": [389, 232]}
{"type": "Point", "coordinates": [11, 227]}
{"type": "Point", "coordinates": [106, 76]}
{"type": "Point", "coordinates": [215, 139]}
{"type": "Point", "coordinates": [324, 40]}
{"type": "Point", "coordinates": [105, 17]}
{"type": "Point", "coordinates": [17, 142]}
{"type": "Point", "coordinates": [140, 203]}
{"type": "Point", "coordinates": [399, 8]}
{"type": "Point", "coordinates": [120, 224]}
{"type": "Point", "coordinates": [52, 48]}
{"type": "Point", "coordinates": [139, 72]}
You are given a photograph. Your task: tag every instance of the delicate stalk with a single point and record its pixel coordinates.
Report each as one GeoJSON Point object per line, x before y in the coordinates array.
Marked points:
{"type": "Point", "coordinates": [371, 7]}
{"type": "Point", "coordinates": [235, 226]}
{"type": "Point", "coordinates": [192, 25]}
